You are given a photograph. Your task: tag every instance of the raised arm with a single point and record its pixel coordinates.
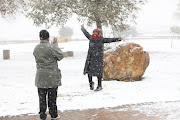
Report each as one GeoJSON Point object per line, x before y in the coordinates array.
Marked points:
{"type": "Point", "coordinates": [109, 40]}
{"type": "Point", "coordinates": [86, 33]}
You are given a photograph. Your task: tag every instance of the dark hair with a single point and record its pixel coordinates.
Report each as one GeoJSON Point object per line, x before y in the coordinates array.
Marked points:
{"type": "Point", "coordinates": [43, 34]}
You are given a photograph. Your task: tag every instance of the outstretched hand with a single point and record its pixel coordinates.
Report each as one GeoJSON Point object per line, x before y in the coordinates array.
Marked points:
{"type": "Point", "coordinates": [82, 25]}
{"type": "Point", "coordinates": [122, 39]}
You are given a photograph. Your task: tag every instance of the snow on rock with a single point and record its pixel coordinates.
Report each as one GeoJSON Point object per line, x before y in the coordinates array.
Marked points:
{"type": "Point", "coordinates": [128, 62]}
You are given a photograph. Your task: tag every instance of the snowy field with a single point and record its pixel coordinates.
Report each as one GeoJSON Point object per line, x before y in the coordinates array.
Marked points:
{"type": "Point", "coordinates": [18, 94]}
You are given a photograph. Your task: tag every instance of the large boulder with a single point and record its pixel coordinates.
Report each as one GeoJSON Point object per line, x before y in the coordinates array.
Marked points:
{"type": "Point", "coordinates": [127, 62]}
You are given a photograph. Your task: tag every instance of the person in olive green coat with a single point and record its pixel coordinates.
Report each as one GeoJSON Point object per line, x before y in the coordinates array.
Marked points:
{"type": "Point", "coordinates": [48, 75]}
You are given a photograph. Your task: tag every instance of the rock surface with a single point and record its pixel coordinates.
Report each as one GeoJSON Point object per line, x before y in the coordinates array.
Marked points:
{"type": "Point", "coordinates": [127, 62]}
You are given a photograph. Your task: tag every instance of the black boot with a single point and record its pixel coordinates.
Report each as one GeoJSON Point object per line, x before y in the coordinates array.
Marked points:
{"type": "Point", "coordinates": [91, 83]}
{"type": "Point", "coordinates": [98, 88]}
{"type": "Point", "coordinates": [91, 86]}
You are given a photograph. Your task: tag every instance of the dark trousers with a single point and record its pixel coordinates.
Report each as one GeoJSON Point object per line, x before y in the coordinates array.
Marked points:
{"type": "Point", "coordinates": [50, 95]}
{"type": "Point", "coordinates": [99, 80]}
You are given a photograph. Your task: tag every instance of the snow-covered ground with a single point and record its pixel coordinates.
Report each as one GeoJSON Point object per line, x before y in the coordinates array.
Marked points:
{"type": "Point", "coordinates": [18, 94]}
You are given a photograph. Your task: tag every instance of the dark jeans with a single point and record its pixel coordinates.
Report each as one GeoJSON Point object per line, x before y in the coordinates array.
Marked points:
{"type": "Point", "coordinates": [49, 94]}
{"type": "Point", "coordinates": [99, 80]}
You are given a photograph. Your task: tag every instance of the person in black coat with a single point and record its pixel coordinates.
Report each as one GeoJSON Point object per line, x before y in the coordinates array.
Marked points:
{"type": "Point", "coordinates": [94, 61]}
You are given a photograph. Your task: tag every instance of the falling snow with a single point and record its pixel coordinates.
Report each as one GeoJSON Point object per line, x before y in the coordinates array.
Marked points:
{"type": "Point", "coordinates": [18, 92]}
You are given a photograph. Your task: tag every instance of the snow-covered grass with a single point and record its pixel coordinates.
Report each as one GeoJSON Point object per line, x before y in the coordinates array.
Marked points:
{"type": "Point", "coordinates": [18, 94]}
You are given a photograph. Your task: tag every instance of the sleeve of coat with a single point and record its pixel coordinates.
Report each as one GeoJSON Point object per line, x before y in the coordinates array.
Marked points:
{"type": "Point", "coordinates": [109, 40]}
{"type": "Point", "coordinates": [86, 33]}
{"type": "Point", "coordinates": [57, 53]}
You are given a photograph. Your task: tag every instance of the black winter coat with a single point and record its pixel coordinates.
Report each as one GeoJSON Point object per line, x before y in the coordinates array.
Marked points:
{"type": "Point", "coordinates": [94, 61]}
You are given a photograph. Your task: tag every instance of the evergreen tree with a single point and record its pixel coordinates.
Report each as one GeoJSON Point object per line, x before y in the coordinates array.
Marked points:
{"type": "Point", "coordinates": [116, 14]}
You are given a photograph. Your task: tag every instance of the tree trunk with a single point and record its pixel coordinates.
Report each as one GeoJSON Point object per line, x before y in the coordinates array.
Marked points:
{"type": "Point", "coordinates": [97, 16]}
{"type": "Point", "coordinates": [99, 26]}
{"type": "Point", "coordinates": [172, 41]}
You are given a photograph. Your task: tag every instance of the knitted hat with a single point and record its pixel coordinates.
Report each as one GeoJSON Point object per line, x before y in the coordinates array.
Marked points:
{"type": "Point", "coordinates": [43, 34]}
{"type": "Point", "coordinates": [97, 30]}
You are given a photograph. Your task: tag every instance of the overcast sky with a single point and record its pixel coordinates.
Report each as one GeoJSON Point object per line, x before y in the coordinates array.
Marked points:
{"type": "Point", "coordinates": [156, 17]}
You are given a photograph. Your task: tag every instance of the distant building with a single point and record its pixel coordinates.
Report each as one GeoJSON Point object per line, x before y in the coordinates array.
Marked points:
{"type": "Point", "coordinates": [61, 38]}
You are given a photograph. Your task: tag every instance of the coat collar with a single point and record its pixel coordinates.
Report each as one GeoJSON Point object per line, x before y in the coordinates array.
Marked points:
{"type": "Point", "coordinates": [44, 41]}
